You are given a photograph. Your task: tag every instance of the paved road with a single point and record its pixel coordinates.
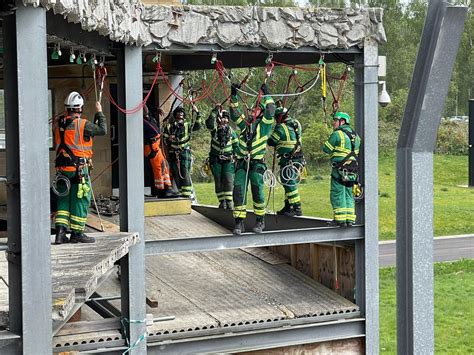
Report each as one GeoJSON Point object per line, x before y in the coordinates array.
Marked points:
{"type": "Point", "coordinates": [445, 249]}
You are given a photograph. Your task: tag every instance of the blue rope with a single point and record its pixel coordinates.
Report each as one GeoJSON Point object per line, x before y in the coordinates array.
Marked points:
{"type": "Point", "coordinates": [140, 338]}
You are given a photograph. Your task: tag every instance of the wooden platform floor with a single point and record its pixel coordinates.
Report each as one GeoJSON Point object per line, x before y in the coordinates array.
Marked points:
{"type": "Point", "coordinates": [222, 291]}
{"type": "Point", "coordinates": [76, 270]}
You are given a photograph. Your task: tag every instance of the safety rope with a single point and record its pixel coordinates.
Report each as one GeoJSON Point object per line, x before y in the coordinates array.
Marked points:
{"type": "Point", "coordinates": [141, 338]}
{"type": "Point", "coordinates": [140, 106]}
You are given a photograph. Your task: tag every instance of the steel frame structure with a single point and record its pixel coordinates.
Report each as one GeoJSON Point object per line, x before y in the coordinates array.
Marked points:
{"type": "Point", "coordinates": [27, 161]}
{"type": "Point", "coordinates": [415, 304]}
{"type": "Point", "coordinates": [28, 196]}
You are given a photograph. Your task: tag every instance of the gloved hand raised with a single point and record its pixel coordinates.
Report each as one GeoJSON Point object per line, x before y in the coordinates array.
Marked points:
{"type": "Point", "coordinates": [233, 89]}
{"type": "Point", "coordinates": [265, 89]}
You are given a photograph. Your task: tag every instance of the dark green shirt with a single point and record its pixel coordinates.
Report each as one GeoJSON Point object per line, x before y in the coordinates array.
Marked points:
{"type": "Point", "coordinates": [178, 136]}
{"type": "Point", "coordinates": [98, 128]}
{"type": "Point", "coordinates": [284, 136]}
{"type": "Point", "coordinates": [262, 129]}
{"type": "Point", "coordinates": [224, 141]}
{"type": "Point", "coordinates": [338, 146]}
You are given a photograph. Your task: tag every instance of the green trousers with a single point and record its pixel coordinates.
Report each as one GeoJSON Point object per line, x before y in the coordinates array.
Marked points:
{"type": "Point", "coordinates": [72, 211]}
{"type": "Point", "coordinates": [289, 180]}
{"type": "Point", "coordinates": [342, 199]}
{"type": "Point", "coordinates": [223, 172]}
{"type": "Point", "coordinates": [180, 164]}
{"type": "Point", "coordinates": [254, 175]}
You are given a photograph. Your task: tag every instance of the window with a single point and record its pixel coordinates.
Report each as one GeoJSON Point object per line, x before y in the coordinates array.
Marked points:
{"type": "Point", "coordinates": [2, 118]}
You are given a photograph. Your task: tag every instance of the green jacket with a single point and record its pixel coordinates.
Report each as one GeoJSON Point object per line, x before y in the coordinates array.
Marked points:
{"type": "Point", "coordinates": [253, 141]}
{"type": "Point", "coordinates": [222, 142]}
{"type": "Point", "coordinates": [178, 136]}
{"type": "Point", "coordinates": [285, 136]}
{"type": "Point", "coordinates": [338, 146]}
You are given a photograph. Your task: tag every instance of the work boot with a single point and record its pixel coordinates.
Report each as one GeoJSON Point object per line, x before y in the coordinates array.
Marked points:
{"type": "Point", "coordinates": [285, 209]}
{"type": "Point", "coordinates": [61, 235]}
{"type": "Point", "coordinates": [259, 226]}
{"type": "Point", "coordinates": [350, 224]}
{"type": "Point", "coordinates": [168, 193]}
{"type": "Point", "coordinates": [334, 223]}
{"type": "Point", "coordinates": [79, 237]}
{"type": "Point", "coordinates": [297, 210]}
{"type": "Point", "coordinates": [239, 226]}
{"type": "Point", "coordinates": [222, 204]}
{"type": "Point", "coordinates": [230, 205]}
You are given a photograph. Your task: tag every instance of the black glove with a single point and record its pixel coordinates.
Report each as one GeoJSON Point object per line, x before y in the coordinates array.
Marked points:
{"type": "Point", "coordinates": [264, 89]}
{"type": "Point", "coordinates": [233, 89]}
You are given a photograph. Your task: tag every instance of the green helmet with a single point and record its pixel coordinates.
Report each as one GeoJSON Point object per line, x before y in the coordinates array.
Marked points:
{"type": "Point", "coordinates": [342, 116]}
{"type": "Point", "coordinates": [279, 110]}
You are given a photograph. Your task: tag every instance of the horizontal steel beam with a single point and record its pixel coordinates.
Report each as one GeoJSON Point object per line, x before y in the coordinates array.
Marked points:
{"type": "Point", "coordinates": [199, 57]}
{"type": "Point", "coordinates": [273, 222]}
{"type": "Point", "coordinates": [264, 339]}
{"type": "Point", "coordinates": [9, 342]}
{"type": "Point", "coordinates": [265, 239]}
{"type": "Point", "coordinates": [58, 27]}
{"type": "Point", "coordinates": [102, 306]}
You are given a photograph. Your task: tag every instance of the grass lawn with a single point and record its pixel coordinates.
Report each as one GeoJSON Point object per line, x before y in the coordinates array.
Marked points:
{"type": "Point", "coordinates": [454, 308]}
{"type": "Point", "coordinates": [454, 206]}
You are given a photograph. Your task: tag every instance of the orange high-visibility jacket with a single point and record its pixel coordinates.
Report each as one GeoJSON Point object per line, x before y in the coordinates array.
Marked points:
{"type": "Point", "coordinates": [74, 140]}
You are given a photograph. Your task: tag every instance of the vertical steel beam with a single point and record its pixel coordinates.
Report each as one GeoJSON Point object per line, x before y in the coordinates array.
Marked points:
{"type": "Point", "coordinates": [27, 163]}
{"type": "Point", "coordinates": [429, 87]}
{"type": "Point", "coordinates": [130, 89]}
{"type": "Point", "coordinates": [366, 110]}
{"type": "Point", "coordinates": [471, 144]}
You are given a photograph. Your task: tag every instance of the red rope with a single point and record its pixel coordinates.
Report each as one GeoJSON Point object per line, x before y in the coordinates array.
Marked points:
{"type": "Point", "coordinates": [141, 104]}
{"type": "Point", "coordinates": [214, 83]}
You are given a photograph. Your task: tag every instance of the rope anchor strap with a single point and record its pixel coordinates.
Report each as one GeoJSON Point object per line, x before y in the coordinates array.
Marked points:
{"type": "Point", "coordinates": [141, 338]}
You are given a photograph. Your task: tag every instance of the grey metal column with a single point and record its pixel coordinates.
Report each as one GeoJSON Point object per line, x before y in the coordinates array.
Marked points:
{"type": "Point", "coordinates": [130, 89]}
{"type": "Point", "coordinates": [471, 144]}
{"type": "Point", "coordinates": [428, 90]}
{"type": "Point", "coordinates": [27, 162]}
{"type": "Point", "coordinates": [367, 287]}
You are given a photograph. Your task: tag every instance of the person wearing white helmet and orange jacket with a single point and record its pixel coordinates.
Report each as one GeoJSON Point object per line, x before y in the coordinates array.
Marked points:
{"type": "Point", "coordinates": [73, 139]}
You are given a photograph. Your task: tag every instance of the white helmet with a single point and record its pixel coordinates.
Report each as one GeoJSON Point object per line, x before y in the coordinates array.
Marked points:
{"type": "Point", "coordinates": [74, 101]}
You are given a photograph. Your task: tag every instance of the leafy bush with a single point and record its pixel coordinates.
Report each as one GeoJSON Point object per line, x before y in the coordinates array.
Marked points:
{"type": "Point", "coordinates": [452, 138]}
{"type": "Point", "coordinates": [313, 139]}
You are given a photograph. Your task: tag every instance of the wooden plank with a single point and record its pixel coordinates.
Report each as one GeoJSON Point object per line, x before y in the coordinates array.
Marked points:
{"type": "Point", "coordinates": [152, 301]}
{"type": "Point", "coordinates": [293, 255]}
{"type": "Point", "coordinates": [63, 303]}
{"type": "Point", "coordinates": [345, 346]}
{"type": "Point", "coordinates": [314, 255]}
{"type": "Point", "coordinates": [267, 255]}
{"type": "Point", "coordinates": [93, 221]}
{"type": "Point", "coordinates": [303, 259]}
{"type": "Point", "coordinates": [167, 207]}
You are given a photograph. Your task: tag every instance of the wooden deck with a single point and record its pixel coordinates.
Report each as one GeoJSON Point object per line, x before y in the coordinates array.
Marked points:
{"type": "Point", "coordinates": [76, 270]}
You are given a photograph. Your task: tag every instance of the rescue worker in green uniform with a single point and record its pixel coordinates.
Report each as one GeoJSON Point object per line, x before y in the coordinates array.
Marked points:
{"type": "Point", "coordinates": [177, 134]}
{"type": "Point", "coordinates": [343, 148]}
{"type": "Point", "coordinates": [286, 138]}
{"type": "Point", "coordinates": [73, 138]}
{"type": "Point", "coordinates": [221, 156]}
{"type": "Point", "coordinates": [250, 165]}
